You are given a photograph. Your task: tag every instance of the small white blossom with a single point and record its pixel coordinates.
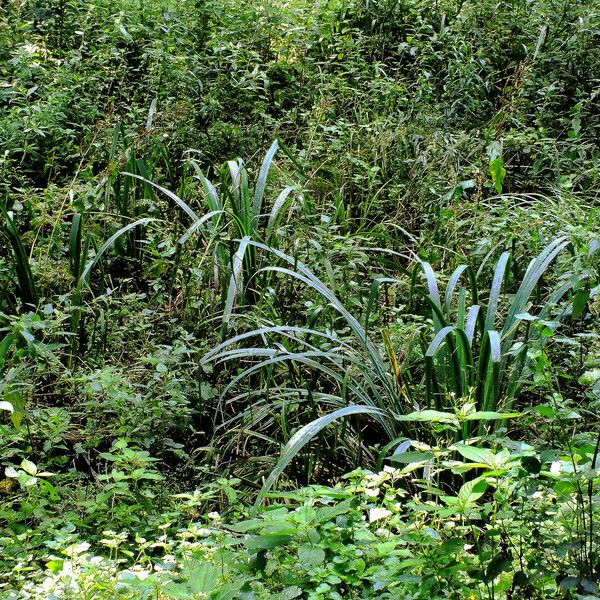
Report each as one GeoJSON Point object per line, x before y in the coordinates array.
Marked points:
{"type": "Point", "coordinates": [375, 514]}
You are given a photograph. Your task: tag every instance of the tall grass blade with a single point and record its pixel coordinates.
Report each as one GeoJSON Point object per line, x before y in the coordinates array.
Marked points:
{"type": "Point", "coordinates": [261, 183]}
{"type": "Point", "coordinates": [452, 283]}
{"type": "Point", "coordinates": [85, 275]}
{"type": "Point", "coordinates": [75, 245]}
{"type": "Point", "coordinates": [280, 204]}
{"type": "Point", "coordinates": [495, 290]}
{"type": "Point", "coordinates": [186, 208]}
{"type": "Point", "coordinates": [198, 224]}
{"type": "Point", "coordinates": [304, 435]}
{"type": "Point", "coordinates": [235, 283]}
{"type": "Point", "coordinates": [26, 283]}
{"type": "Point", "coordinates": [489, 371]}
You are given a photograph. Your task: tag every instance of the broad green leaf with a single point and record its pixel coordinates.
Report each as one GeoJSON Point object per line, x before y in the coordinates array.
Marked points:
{"type": "Point", "coordinates": [11, 472]}
{"type": "Point", "coordinates": [29, 467]}
{"type": "Point", "coordinates": [501, 562]}
{"type": "Point", "coordinates": [289, 593]}
{"type": "Point", "coordinates": [55, 566]}
{"type": "Point", "coordinates": [268, 541]}
{"type": "Point", "coordinates": [245, 526]}
{"type": "Point", "coordinates": [202, 577]}
{"type": "Point", "coordinates": [471, 491]}
{"type": "Point", "coordinates": [498, 173]}
{"type": "Point", "coordinates": [478, 455]}
{"type": "Point", "coordinates": [531, 464]}
{"type": "Point", "coordinates": [580, 302]}
{"type": "Point", "coordinates": [311, 554]}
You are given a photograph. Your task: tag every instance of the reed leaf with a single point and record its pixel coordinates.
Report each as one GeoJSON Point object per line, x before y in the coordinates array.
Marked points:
{"type": "Point", "coordinates": [303, 436]}
{"type": "Point", "coordinates": [26, 284]}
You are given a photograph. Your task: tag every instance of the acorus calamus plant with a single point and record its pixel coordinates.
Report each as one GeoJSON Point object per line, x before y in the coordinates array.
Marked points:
{"type": "Point", "coordinates": [478, 348]}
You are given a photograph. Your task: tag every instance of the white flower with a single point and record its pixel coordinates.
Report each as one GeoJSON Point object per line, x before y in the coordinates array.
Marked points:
{"type": "Point", "coordinates": [555, 468]}
{"type": "Point", "coordinates": [77, 549]}
{"type": "Point", "coordinates": [375, 514]}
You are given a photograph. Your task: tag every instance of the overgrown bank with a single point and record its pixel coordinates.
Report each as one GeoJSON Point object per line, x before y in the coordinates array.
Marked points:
{"type": "Point", "coordinates": [406, 282]}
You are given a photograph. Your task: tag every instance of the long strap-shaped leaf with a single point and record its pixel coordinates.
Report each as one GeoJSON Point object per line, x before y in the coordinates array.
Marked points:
{"type": "Point", "coordinates": [214, 354]}
{"type": "Point", "coordinates": [261, 183]}
{"type": "Point", "coordinates": [495, 290]}
{"type": "Point", "coordinates": [461, 372]}
{"type": "Point", "coordinates": [307, 277]}
{"type": "Point", "coordinates": [85, 275]}
{"type": "Point", "coordinates": [308, 359]}
{"type": "Point", "coordinates": [302, 273]}
{"type": "Point", "coordinates": [306, 434]}
{"type": "Point", "coordinates": [168, 193]}
{"type": "Point", "coordinates": [434, 294]}
{"type": "Point", "coordinates": [488, 371]}
{"type": "Point", "coordinates": [27, 286]}
{"type": "Point", "coordinates": [471, 322]}
{"type": "Point", "coordinates": [198, 224]}
{"type": "Point", "coordinates": [75, 245]}
{"type": "Point", "coordinates": [282, 201]}
{"type": "Point", "coordinates": [235, 282]}
{"type": "Point", "coordinates": [531, 278]}
{"type": "Point", "coordinates": [212, 197]}
{"type": "Point", "coordinates": [235, 174]}
{"type": "Point", "coordinates": [452, 283]}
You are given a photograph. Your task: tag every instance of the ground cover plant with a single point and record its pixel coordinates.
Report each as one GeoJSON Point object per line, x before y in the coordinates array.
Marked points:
{"type": "Point", "coordinates": [299, 299]}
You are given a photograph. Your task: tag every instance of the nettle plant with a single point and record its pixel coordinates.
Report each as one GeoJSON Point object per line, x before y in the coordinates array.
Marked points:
{"type": "Point", "coordinates": [473, 363]}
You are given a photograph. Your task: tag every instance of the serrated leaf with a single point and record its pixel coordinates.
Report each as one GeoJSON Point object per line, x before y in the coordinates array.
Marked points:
{"type": "Point", "coordinates": [311, 555]}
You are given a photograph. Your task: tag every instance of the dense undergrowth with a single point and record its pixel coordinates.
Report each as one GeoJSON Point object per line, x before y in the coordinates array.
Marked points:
{"type": "Point", "coordinates": [299, 299]}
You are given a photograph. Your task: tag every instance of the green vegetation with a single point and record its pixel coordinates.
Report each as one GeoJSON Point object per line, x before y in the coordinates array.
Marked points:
{"type": "Point", "coordinates": [300, 299]}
